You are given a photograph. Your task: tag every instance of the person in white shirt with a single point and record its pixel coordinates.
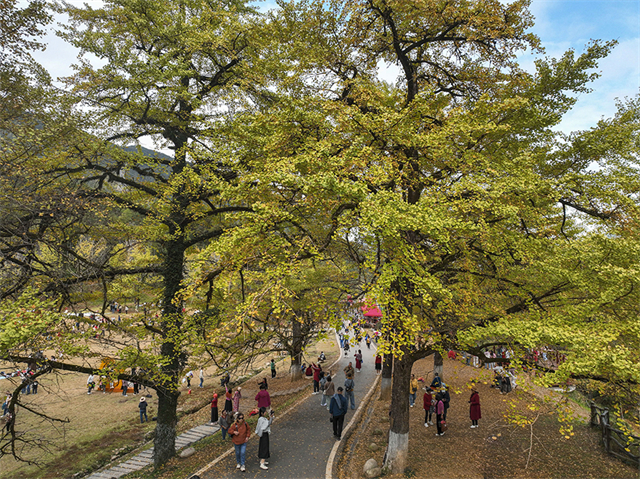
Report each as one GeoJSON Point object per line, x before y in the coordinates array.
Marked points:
{"type": "Point", "coordinates": [263, 429]}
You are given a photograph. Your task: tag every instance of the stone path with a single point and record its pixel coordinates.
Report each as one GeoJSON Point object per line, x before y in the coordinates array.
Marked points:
{"type": "Point", "coordinates": [146, 457]}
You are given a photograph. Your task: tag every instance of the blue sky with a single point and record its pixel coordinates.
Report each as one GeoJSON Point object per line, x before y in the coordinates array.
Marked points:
{"type": "Point", "coordinates": [560, 24]}
{"type": "Point", "coordinates": [564, 24]}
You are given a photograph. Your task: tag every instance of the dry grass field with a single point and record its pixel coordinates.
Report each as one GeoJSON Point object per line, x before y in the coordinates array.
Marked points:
{"type": "Point", "coordinates": [101, 424]}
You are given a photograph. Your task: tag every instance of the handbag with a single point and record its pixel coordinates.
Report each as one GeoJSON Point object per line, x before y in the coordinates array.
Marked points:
{"type": "Point", "coordinates": [330, 418]}
{"type": "Point", "coordinates": [443, 426]}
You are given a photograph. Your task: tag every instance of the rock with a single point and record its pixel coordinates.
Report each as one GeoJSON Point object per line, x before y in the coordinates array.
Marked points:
{"type": "Point", "coordinates": [188, 452]}
{"type": "Point", "coordinates": [377, 432]}
{"type": "Point", "coordinates": [370, 464]}
{"type": "Point", "coordinates": [373, 447]}
{"type": "Point", "coordinates": [375, 472]}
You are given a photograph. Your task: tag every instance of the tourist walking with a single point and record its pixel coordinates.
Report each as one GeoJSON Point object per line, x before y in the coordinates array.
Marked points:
{"type": "Point", "coordinates": [273, 369]}
{"type": "Point", "coordinates": [214, 408]}
{"type": "Point", "coordinates": [439, 414]}
{"type": "Point", "coordinates": [263, 398]}
{"type": "Point", "coordinates": [338, 409]}
{"type": "Point", "coordinates": [201, 376]}
{"type": "Point", "coordinates": [446, 399]}
{"type": "Point", "coordinates": [90, 383]}
{"type": "Point", "coordinates": [329, 391]}
{"type": "Point", "coordinates": [142, 405]}
{"type": "Point", "coordinates": [263, 430]}
{"type": "Point", "coordinates": [223, 422]}
{"type": "Point", "coordinates": [358, 357]}
{"type": "Point", "coordinates": [125, 387]}
{"type": "Point", "coordinates": [323, 385]}
{"type": "Point", "coordinates": [240, 433]}
{"type": "Point", "coordinates": [474, 408]}
{"type": "Point", "coordinates": [348, 371]}
{"type": "Point", "coordinates": [413, 390]}
{"type": "Point", "coordinates": [349, 386]}
{"type": "Point", "coordinates": [236, 399]}
{"type": "Point", "coordinates": [428, 404]}
{"type": "Point", "coordinates": [378, 363]}
{"type": "Point", "coordinates": [316, 377]}
{"type": "Point", "coordinates": [228, 401]}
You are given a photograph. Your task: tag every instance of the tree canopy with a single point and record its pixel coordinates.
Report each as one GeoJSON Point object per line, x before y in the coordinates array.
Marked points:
{"type": "Point", "coordinates": [297, 176]}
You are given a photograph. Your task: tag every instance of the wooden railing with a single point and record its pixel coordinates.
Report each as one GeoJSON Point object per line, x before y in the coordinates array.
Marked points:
{"type": "Point", "coordinates": [614, 440]}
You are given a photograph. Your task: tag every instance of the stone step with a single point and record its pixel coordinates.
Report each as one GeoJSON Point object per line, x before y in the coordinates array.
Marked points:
{"type": "Point", "coordinates": [206, 429]}
{"type": "Point", "coordinates": [193, 432]}
{"type": "Point", "coordinates": [119, 470]}
{"type": "Point", "coordinates": [101, 475]}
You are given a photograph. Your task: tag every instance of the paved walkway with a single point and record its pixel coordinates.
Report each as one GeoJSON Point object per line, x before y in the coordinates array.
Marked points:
{"type": "Point", "coordinates": [146, 457]}
{"type": "Point", "coordinates": [301, 442]}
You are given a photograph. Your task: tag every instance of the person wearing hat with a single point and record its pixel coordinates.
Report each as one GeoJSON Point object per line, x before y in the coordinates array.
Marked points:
{"type": "Point", "coordinates": [474, 408]}
{"type": "Point", "coordinates": [338, 409]}
{"type": "Point", "coordinates": [142, 405]}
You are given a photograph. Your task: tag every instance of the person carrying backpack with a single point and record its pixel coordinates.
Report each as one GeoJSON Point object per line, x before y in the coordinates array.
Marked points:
{"type": "Point", "coordinates": [349, 386]}
{"type": "Point", "coordinates": [338, 409]}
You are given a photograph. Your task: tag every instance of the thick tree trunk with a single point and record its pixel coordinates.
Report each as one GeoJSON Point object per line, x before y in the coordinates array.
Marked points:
{"type": "Point", "coordinates": [398, 446]}
{"type": "Point", "coordinates": [174, 357]}
{"type": "Point", "coordinates": [296, 350]}
{"type": "Point", "coordinates": [165, 440]}
{"type": "Point", "coordinates": [385, 381]}
{"type": "Point", "coordinates": [438, 365]}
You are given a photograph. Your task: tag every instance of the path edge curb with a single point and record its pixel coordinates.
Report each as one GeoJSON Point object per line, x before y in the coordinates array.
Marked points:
{"type": "Point", "coordinates": [339, 446]}
{"type": "Point", "coordinates": [289, 409]}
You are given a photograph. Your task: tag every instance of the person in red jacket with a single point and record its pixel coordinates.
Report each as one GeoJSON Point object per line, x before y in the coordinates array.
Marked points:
{"type": "Point", "coordinates": [316, 377]}
{"type": "Point", "coordinates": [263, 398]}
{"type": "Point", "coordinates": [429, 405]}
{"type": "Point", "coordinates": [214, 408]}
{"type": "Point", "coordinates": [240, 433]}
{"type": "Point", "coordinates": [378, 363]}
{"type": "Point", "coordinates": [474, 408]}
{"type": "Point", "coordinates": [228, 403]}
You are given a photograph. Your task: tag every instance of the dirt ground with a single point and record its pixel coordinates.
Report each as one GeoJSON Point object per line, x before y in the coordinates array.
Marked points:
{"type": "Point", "coordinates": [103, 424]}
{"type": "Point", "coordinates": [498, 448]}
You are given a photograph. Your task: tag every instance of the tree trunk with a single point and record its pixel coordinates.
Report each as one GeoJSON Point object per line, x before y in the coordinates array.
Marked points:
{"type": "Point", "coordinates": [438, 365]}
{"type": "Point", "coordinates": [398, 446]}
{"type": "Point", "coordinates": [296, 350]}
{"type": "Point", "coordinates": [385, 381]}
{"type": "Point", "coordinates": [174, 357]}
{"type": "Point", "coordinates": [165, 440]}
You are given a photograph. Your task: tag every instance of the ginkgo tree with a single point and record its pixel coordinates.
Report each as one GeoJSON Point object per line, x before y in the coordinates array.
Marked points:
{"type": "Point", "coordinates": [479, 208]}
{"type": "Point", "coordinates": [173, 73]}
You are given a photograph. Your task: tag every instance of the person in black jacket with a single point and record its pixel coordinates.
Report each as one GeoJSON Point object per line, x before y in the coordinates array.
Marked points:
{"type": "Point", "coordinates": [338, 409]}
{"type": "Point", "coordinates": [445, 399]}
{"type": "Point", "coordinates": [142, 405]}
